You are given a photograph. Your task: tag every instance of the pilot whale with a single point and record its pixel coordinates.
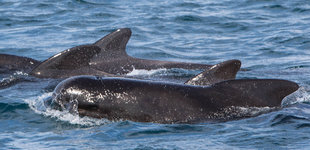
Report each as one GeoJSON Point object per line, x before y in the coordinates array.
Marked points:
{"type": "Point", "coordinates": [161, 102]}
{"type": "Point", "coordinates": [105, 57]}
{"type": "Point", "coordinates": [11, 63]}
{"type": "Point", "coordinates": [226, 70]}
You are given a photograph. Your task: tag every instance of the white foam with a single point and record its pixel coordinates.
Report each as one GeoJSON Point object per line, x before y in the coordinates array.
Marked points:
{"type": "Point", "coordinates": [37, 105]}
{"type": "Point", "coordinates": [143, 72]}
{"type": "Point", "coordinates": [13, 77]}
{"type": "Point", "coordinates": [20, 73]}
{"type": "Point", "coordinates": [300, 96]}
{"type": "Point", "coordinates": [7, 79]}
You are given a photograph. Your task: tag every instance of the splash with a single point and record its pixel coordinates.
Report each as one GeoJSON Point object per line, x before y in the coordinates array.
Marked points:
{"type": "Point", "coordinates": [17, 77]}
{"type": "Point", "coordinates": [302, 95]}
{"type": "Point", "coordinates": [175, 75]}
{"type": "Point", "coordinates": [38, 106]}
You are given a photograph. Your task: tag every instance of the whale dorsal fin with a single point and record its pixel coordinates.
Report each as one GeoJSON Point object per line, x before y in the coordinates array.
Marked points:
{"type": "Point", "coordinates": [226, 70]}
{"type": "Point", "coordinates": [114, 44]}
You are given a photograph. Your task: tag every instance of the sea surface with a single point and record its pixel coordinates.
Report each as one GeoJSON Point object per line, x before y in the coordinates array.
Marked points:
{"type": "Point", "coordinates": [270, 37]}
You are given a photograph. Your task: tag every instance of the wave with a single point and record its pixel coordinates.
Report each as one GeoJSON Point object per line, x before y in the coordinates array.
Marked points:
{"type": "Point", "coordinates": [5, 107]}
{"type": "Point", "coordinates": [163, 74]}
{"type": "Point", "coordinates": [16, 78]}
{"type": "Point", "coordinates": [37, 104]}
{"type": "Point", "coordinates": [302, 95]}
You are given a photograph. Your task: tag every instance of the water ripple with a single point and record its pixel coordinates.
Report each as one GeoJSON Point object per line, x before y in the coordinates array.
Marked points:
{"type": "Point", "coordinates": [271, 38]}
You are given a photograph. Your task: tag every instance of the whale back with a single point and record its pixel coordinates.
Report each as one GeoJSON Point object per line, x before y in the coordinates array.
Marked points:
{"type": "Point", "coordinates": [147, 101]}
{"type": "Point", "coordinates": [254, 92]}
{"type": "Point", "coordinates": [10, 63]}
{"type": "Point", "coordinates": [84, 59]}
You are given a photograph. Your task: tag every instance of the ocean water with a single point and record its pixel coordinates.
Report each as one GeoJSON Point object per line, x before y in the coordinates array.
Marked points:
{"type": "Point", "coordinates": [270, 37]}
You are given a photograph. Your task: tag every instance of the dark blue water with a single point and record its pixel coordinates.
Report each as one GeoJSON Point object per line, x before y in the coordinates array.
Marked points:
{"type": "Point", "coordinates": [270, 37]}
